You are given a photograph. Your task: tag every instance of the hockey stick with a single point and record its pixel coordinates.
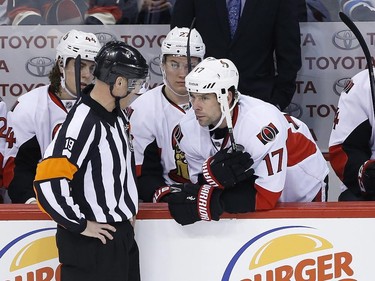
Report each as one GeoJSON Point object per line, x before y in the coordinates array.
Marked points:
{"type": "Point", "coordinates": [228, 119]}
{"type": "Point", "coordinates": [188, 46]}
{"type": "Point", "coordinates": [345, 19]}
{"type": "Point", "coordinates": [77, 75]}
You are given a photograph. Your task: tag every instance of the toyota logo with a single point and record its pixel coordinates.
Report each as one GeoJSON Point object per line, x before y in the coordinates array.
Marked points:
{"type": "Point", "coordinates": [39, 66]}
{"type": "Point", "coordinates": [345, 40]}
{"type": "Point", "coordinates": [294, 109]}
{"type": "Point", "coordinates": [105, 37]}
{"type": "Point", "coordinates": [155, 66]}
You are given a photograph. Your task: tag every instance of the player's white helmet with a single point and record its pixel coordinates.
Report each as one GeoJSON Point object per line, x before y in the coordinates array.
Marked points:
{"type": "Point", "coordinates": [213, 76]}
{"type": "Point", "coordinates": [72, 44]}
{"type": "Point", "coordinates": [75, 43]}
{"type": "Point", "coordinates": [175, 43]}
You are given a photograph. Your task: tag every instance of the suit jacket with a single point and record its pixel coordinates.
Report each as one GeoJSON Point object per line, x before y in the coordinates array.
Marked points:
{"type": "Point", "coordinates": [267, 29]}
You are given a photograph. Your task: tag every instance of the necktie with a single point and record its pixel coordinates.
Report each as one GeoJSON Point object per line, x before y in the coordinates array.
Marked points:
{"type": "Point", "coordinates": [234, 11]}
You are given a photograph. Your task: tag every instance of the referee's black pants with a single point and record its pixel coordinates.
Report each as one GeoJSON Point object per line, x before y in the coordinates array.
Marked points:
{"type": "Point", "coordinates": [85, 258]}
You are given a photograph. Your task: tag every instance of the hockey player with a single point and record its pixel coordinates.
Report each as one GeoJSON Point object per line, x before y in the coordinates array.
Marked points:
{"type": "Point", "coordinates": [86, 181]}
{"type": "Point", "coordinates": [155, 114]}
{"type": "Point", "coordinates": [352, 142]}
{"type": "Point", "coordinates": [244, 155]}
{"type": "Point", "coordinates": [37, 115]}
{"type": "Point", "coordinates": [3, 124]}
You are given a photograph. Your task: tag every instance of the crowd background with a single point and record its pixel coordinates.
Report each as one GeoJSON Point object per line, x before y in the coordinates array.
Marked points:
{"type": "Point", "coordinates": [23, 12]}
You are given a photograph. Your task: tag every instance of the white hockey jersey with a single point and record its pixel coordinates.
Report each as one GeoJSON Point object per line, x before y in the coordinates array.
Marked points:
{"type": "Point", "coordinates": [287, 162]}
{"type": "Point", "coordinates": [352, 140]}
{"type": "Point", "coordinates": [159, 160]}
{"type": "Point", "coordinates": [33, 122]}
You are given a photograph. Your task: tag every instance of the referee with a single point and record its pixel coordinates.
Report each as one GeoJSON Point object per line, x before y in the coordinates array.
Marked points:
{"type": "Point", "coordinates": [86, 180]}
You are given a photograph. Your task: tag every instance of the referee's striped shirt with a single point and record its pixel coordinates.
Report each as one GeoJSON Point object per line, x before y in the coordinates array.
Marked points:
{"type": "Point", "coordinates": [87, 172]}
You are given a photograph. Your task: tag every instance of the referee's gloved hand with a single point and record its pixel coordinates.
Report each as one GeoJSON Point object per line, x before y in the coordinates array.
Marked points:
{"type": "Point", "coordinates": [192, 202]}
{"type": "Point", "coordinates": [366, 177]}
{"type": "Point", "coordinates": [227, 167]}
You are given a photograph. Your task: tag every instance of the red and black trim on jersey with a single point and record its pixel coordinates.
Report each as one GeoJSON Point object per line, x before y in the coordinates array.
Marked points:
{"type": "Point", "coordinates": [348, 85]}
{"type": "Point", "coordinates": [346, 158]}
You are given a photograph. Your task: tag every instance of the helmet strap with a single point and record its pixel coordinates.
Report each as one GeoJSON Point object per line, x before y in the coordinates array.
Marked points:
{"type": "Point", "coordinates": [166, 83]}
{"type": "Point", "coordinates": [115, 97]}
{"type": "Point", "coordinates": [63, 85]}
{"type": "Point", "coordinates": [218, 123]}
{"type": "Point", "coordinates": [234, 102]}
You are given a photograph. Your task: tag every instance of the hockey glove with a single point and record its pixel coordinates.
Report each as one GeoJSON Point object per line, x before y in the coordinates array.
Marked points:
{"type": "Point", "coordinates": [226, 168]}
{"type": "Point", "coordinates": [162, 193]}
{"type": "Point", "coordinates": [366, 177]}
{"type": "Point", "coordinates": [193, 203]}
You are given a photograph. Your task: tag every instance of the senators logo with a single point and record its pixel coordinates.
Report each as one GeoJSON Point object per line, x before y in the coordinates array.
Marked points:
{"type": "Point", "coordinates": [181, 173]}
{"type": "Point", "coordinates": [268, 133]}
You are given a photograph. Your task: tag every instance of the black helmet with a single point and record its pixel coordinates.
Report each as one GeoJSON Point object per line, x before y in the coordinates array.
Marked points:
{"type": "Point", "coordinates": [115, 59]}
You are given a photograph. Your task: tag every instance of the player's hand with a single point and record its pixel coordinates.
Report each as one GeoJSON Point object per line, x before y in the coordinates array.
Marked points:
{"type": "Point", "coordinates": [227, 167]}
{"type": "Point", "coordinates": [366, 177]}
{"type": "Point", "coordinates": [99, 230]}
{"type": "Point", "coordinates": [194, 202]}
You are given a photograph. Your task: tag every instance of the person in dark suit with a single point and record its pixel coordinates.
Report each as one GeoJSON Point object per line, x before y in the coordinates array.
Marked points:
{"type": "Point", "coordinates": [265, 47]}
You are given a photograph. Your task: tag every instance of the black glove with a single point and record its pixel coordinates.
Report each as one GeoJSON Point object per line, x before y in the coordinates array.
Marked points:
{"type": "Point", "coordinates": [193, 202]}
{"type": "Point", "coordinates": [240, 199]}
{"type": "Point", "coordinates": [227, 167]}
{"type": "Point", "coordinates": [366, 177]}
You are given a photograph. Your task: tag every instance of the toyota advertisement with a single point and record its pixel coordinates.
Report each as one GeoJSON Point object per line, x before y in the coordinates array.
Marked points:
{"type": "Point", "coordinates": [330, 55]}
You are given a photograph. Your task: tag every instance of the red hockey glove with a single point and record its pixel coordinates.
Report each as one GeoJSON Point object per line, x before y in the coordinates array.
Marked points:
{"type": "Point", "coordinates": [193, 203]}
{"type": "Point", "coordinates": [366, 177]}
{"type": "Point", "coordinates": [226, 168]}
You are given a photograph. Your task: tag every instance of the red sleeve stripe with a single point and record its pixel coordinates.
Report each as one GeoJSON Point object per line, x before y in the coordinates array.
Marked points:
{"type": "Point", "coordinates": [338, 160]}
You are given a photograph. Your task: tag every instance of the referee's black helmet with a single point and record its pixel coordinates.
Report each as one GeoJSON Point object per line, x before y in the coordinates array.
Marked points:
{"type": "Point", "coordinates": [116, 59]}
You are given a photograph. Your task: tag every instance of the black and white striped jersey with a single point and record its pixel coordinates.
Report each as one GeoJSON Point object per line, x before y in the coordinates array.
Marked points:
{"type": "Point", "coordinates": [88, 172]}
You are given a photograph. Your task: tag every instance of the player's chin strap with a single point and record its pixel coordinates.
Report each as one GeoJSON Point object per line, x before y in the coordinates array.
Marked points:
{"type": "Point", "coordinates": [166, 83]}
{"type": "Point", "coordinates": [225, 110]}
{"type": "Point", "coordinates": [77, 76]}
{"type": "Point", "coordinates": [63, 85]}
{"type": "Point", "coordinates": [218, 123]}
